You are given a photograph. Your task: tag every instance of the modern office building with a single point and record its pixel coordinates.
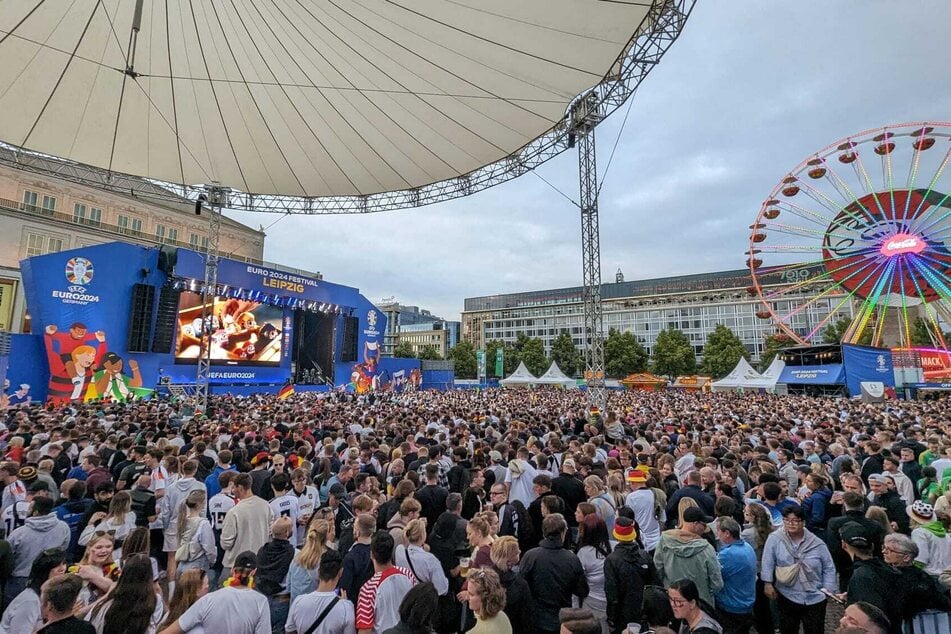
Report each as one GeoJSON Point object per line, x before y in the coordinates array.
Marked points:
{"type": "Point", "coordinates": [441, 335]}
{"type": "Point", "coordinates": [397, 317]}
{"type": "Point", "coordinates": [42, 214]}
{"type": "Point", "coordinates": [694, 304]}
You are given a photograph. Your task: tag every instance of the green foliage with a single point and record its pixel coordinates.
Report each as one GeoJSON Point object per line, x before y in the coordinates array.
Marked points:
{"type": "Point", "coordinates": [429, 353]}
{"type": "Point", "coordinates": [404, 350]}
{"type": "Point", "coordinates": [722, 351]}
{"type": "Point", "coordinates": [566, 355]}
{"type": "Point", "coordinates": [464, 360]}
{"type": "Point", "coordinates": [623, 354]}
{"type": "Point", "coordinates": [532, 353]}
{"type": "Point", "coordinates": [673, 354]}
{"type": "Point", "coordinates": [834, 332]}
{"type": "Point", "coordinates": [921, 336]}
{"type": "Point", "coordinates": [774, 343]}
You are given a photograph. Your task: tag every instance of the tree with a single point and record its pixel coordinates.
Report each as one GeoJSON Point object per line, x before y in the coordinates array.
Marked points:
{"type": "Point", "coordinates": [921, 334]}
{"type": "Point", "coordinates": [404, 350]}
{"type": "Point", "coordinates": [566, 354]}
{"type": "Point", "coordinates": [532, 354]}
{"type": "Point", "coordinates": [623, 354]}
{"type": "Point", "coordinates": [673, 354]}
{"type": "Point", "coordinates": [464, 360]}
{"type": "Point", "coordinates": [774, 343]}
{"type": "Point", "coordinates": [429, 353]}
{"type": "Point", "coordinates": [834, 332]}
{"type": "Point", "coordinates": [722, 351]}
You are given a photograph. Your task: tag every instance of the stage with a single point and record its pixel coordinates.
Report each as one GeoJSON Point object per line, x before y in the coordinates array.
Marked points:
{"type": "Point", "coordinates": [118, 320]}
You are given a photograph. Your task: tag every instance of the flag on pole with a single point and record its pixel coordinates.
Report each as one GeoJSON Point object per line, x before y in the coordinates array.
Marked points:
{"type": "Point", "coordinates": [285, 391]}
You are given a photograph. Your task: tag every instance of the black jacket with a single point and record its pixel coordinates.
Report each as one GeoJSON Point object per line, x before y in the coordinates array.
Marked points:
{"type": "Point", "coordinates": [447, 540]}
{"type": "Point", "coordinates": [872, 528]}
{"type": "Point", "coordinates": [571, 491]}
{"type": "Point", "coordinates": [895, 509]}
{"type": "Point", "coordinates": [518, 601]}
{"type": "Point", "coordinates": [920, 591]}
{"type": "Point", "coordinates": [626, 571]}
{"type": "Point", "coordinates": [535, 512]}
{"type": "Point", "coordinates": [692, 491]}
{"type": "Point", "coordinates": [554, 575]}
{"type": "Point", "coordinates": [274, 560]}
{"type": "Point", "coordinates": [875, 582]}
{"type": "Point", "coordinates": [433, 500]}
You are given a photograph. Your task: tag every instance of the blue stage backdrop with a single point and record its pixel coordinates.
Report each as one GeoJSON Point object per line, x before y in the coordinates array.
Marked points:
{"type": "Point", "coordinates": [80, 302]}
{"type": "Point", "coordinates": [864, 363]}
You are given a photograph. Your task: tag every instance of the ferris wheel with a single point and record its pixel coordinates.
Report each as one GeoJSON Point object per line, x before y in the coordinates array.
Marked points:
{"type": "Point", "coordinates": [860, 230]}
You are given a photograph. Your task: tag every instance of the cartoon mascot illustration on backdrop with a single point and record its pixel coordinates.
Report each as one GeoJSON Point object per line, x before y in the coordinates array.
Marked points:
{"type": "Point", "coordinates": [72, 356]}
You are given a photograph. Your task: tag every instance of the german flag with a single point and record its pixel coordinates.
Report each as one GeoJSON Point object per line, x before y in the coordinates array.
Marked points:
{"type": "Point", "coordinates": [285, 392]}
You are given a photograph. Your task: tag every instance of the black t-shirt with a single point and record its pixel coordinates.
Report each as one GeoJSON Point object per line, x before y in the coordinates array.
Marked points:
{"type": "Point", "coordinates": [71, 625]}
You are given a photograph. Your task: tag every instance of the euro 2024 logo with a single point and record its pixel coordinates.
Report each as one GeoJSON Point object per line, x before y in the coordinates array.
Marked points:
{"type": "Point", "coordinates": [79, 273]}
{"type": "Point", "coordinates": [371, 318]}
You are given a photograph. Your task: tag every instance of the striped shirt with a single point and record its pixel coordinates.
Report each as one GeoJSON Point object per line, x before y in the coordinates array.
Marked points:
{"type": "Point", "coordinates": [380, 598]}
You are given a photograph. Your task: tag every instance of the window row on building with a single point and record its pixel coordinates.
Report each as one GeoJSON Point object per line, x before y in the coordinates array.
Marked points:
{"type": "Point", "coordinates": [83, 213]}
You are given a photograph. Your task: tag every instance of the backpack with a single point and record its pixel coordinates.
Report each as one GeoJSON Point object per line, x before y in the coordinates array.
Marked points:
{"type": "Point", "coordinates": [525, 532]}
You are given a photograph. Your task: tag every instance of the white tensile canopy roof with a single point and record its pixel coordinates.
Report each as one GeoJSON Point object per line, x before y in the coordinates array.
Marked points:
{"type": "Point", "coordinates": [299, 98]}
{"type": "Point", "coordinates": [521, 376]}
{"type": "Point", "coordinates": [554, 376]}
{"type": "Point", "coordinates": [743, 376]}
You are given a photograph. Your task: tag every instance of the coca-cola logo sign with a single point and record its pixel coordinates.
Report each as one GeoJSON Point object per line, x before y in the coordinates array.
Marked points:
{"type": "Point", "coordinates": [902, 243]}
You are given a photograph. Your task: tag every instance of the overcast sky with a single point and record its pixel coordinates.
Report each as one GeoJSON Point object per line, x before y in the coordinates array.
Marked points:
{"type": "Point", "coordinates": [749, 90]}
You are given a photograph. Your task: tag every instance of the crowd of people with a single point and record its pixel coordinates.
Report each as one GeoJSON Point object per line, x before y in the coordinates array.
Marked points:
{"type": "Point", "coordinates": [483, 511]}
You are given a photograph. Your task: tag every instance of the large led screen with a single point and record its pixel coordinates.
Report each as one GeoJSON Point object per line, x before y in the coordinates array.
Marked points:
{"type": "Point", "coordinates": [240, 331]}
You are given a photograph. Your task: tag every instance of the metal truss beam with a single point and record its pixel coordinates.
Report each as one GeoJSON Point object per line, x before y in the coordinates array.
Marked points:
{"type": "Point", "coordinates": [660, 28]}
{"type": "Point", "coordinates": [216, 197]}
{"type": "Point", "coordinates": [586, 116]}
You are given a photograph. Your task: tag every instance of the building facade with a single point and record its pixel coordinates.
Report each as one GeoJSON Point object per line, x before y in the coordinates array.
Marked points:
{"type": "Point", "coordinates": [397, 317]}
{"type": "Point", "coordinates": [694, 304]}
{"type": "Point", "coordinates": [42, 214]}
{"type": "Point", "coordinates": [441, 335]}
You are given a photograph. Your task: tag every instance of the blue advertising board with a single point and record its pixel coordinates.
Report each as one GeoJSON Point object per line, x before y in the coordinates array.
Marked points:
{"type": "Point", "coordinates": [864, 363]}
{"type": "Point", "coordinates": [830, 374]}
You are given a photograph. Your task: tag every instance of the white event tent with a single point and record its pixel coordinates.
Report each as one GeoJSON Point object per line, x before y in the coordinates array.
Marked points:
{"type": "Point", "coordinates": [521, 376]}
{"type": "Point", "coordinates": [554, 376]}
{"type": "Point", "coordinates": [744, 377]}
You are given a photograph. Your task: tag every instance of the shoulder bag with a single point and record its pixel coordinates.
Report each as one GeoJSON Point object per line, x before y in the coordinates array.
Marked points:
{"type": "Point", "coordinates": [323, 615]}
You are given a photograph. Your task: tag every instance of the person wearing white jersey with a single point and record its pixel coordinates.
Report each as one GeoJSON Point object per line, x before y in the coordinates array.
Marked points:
{"type": "Point", "coordinates": [284, 504]}
{"type": "Point", "coordinates": [308, 500]}
{"type": "Point", "coordinates": [13, 489]}
{"type": "Point", "coordinates": [641, 501]}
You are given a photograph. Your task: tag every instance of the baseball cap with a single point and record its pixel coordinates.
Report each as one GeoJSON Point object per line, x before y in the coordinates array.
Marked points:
{"type": "Point", "coordinates": [694, 514]}
{"type": "Point", "coordinates": [855, 534]}
{"type": "Point", "coordinates": [495, 456]}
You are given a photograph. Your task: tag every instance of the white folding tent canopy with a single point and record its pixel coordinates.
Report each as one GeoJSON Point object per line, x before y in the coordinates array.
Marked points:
{"type": "Point", "coordinates": [743, 376]}
{"type": "Point", "coordinates": [554, 376]}
{"type": "Point", "coordinates": [521, 376]}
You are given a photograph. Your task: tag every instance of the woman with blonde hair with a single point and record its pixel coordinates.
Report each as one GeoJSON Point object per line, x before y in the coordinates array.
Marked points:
{"type": "Point", "coordinates": [415, 556]}
{"type": "Point", "coordinates": [302, 575]}
{"type": "Point", "coordinates": [477, 533]}
{"type": "Point", "coordinates": [196, 547]}
{"type": "Point", "coordinates": [487, 601]}
{"type": "Point", "coordinates": [119, 521]}
{"type": "Point", "coordinates": [192, 585]}
{"type": "Point", "coordinates": [98, 569]}
{"type": "Point", "coordinates": [492, 519]}
{"type": "Point", "coordinates": [505, 556]}
{"type": "Point", "coordinates": [602, 501]}
{"type": "Point", "coordinates": [879, 516]}
{"type": "Point", "coordinates": [617, 490]}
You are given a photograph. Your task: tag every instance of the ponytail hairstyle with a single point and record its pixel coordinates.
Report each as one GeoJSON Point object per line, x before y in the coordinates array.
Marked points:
{"type": "Point", "coordinates": [194, 501]}
{"type": "Point", "coordinates": [315, 543]}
